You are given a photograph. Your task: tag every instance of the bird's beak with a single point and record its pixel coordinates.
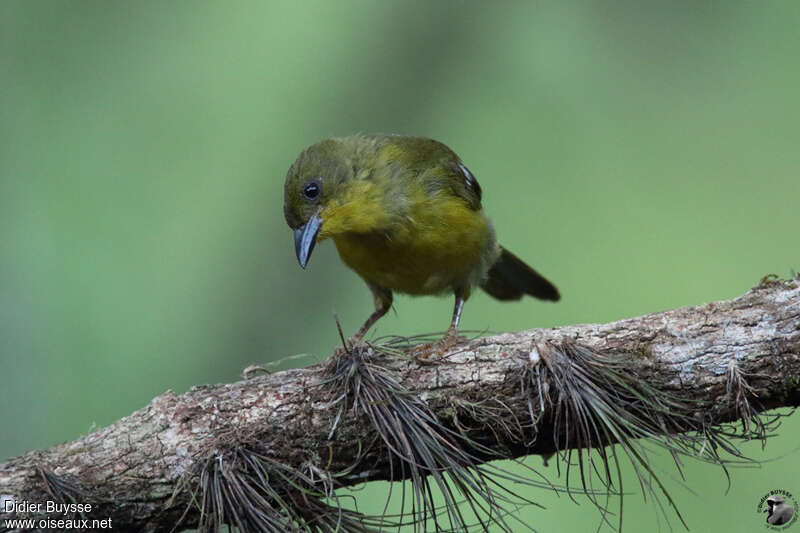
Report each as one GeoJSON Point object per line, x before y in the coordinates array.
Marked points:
{"type": "Point", "coordinates": [305, 237]}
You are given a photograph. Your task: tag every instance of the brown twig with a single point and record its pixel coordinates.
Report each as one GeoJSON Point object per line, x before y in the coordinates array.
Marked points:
{"type": "Point", "coordinates": [494, 397]}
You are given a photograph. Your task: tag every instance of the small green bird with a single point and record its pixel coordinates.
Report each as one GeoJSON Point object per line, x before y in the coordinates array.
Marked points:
{"type": "Point", "coordinates": [405, 214]}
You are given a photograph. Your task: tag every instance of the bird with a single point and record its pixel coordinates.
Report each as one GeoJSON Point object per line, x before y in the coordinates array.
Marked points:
{"type": "Point", "coordinates": [778, 511]}
{"type": "Point", "coordinates": [405, 214]}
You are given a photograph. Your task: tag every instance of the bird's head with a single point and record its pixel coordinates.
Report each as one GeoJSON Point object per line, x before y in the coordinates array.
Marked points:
{"type": "Point", "coordinates": [313, 181]}
{"type": "Point", "coordinates": [774, 500]}
{"type": "Point", "coordinates": [335, 187]}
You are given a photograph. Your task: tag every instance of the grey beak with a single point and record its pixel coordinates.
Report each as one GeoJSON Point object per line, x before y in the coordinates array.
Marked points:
{"type": "Point", "coordinates": [305, 237]}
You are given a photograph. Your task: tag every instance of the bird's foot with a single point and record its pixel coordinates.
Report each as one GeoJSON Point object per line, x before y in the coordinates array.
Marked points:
{"type": "Point", "coordinates": [423, 353]}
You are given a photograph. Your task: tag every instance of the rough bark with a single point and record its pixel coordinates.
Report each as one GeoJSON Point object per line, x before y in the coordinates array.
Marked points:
{"type": "Point", "coordinates": [129, 470]}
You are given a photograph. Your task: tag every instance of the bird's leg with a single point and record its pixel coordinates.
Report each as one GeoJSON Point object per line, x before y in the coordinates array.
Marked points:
{"type": "Point", "coordinates": [383, 302]}
{"type": "Point", "coordinates": [452, 331]}
{"type": "Point", "coordinates": [451, 337]}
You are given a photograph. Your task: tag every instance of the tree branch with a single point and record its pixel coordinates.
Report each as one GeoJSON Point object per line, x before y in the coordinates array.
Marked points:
{"type": "Point", "coordinates": [722, 362]}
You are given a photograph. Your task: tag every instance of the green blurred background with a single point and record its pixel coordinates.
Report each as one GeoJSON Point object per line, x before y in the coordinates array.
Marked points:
{"type": "Point", "coordinates": [643, 156]}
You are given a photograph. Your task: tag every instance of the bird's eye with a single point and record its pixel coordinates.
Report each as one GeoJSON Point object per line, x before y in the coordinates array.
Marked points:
{"type": "Point", "coordinates": [311, 190]}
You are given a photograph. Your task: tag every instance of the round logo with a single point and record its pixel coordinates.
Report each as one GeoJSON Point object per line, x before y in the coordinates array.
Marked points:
{"type": "Point", "coordinates": [778, 509]}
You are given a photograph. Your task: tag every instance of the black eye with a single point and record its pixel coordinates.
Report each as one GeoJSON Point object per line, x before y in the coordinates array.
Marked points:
{"type": "Point", "coordinates": [311, 190]}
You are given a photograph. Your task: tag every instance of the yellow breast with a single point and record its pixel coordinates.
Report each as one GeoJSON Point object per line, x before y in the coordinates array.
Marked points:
{"type": "Point", "coordinates": [440, 245]}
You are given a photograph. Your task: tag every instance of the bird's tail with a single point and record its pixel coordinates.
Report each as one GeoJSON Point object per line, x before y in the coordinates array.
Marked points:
{"type": "Point", "coordinates": [510, 278]}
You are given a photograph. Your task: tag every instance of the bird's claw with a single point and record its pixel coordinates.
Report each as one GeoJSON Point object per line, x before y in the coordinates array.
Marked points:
{"type": "Point", "coordinates": [423, 353]}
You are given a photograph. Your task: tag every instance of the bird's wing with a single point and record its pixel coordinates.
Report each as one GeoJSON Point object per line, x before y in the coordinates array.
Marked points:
{"type": "Point", "coordinates": [430, 162]}
{"type": "Point", "coordinates": [467, 186]}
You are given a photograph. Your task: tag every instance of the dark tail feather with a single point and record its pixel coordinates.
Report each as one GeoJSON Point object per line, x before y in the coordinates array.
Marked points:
{"type": "Point", "coordinates": [510, 278]}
